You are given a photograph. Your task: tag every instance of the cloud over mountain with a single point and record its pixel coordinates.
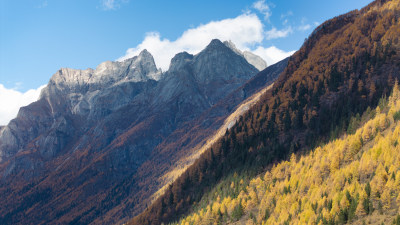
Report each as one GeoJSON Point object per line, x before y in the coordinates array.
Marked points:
{"type": "Point", "coordinates": [11, 100]}
{"type": "Point", "coordinates": [246, 31]}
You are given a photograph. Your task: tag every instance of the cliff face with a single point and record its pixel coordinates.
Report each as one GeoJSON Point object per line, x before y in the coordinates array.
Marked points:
{"type": "Point", "coordinates": [70, 153]}
{"type": "Point", "coordinates": [72, 95]}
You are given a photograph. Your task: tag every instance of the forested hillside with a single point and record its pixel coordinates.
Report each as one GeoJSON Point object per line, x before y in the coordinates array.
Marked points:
{"type": "Point", "coordinates": [346, 65]}
{"type": "Point", "coordinates": [354, 178]}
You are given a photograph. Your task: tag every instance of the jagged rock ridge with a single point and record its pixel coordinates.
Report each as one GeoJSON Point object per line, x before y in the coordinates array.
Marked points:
{"type": "Point", "coordinates": [87, 94]}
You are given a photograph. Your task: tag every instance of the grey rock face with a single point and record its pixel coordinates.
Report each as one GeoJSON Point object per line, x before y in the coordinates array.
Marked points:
{"type": "Point", "coordinates": [255, 60]}
{"type": "Point", "coordinates": [88, 94]}
{"type": "Point", "coordinates": [179, 61]}
{"type": "Point", "coordinates": [251, 58]}
{"type": "Point", "coordinates": [211, 74]}
{"type": "Point", "coordinates": [84, 89]}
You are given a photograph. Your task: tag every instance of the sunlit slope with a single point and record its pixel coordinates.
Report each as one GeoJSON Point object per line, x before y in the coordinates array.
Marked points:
{"type": "Point", "coordinates": [352, 179]}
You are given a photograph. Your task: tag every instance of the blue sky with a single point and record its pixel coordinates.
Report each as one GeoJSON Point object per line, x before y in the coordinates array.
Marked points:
{"type": "Point", "coordinates": [37, 37]}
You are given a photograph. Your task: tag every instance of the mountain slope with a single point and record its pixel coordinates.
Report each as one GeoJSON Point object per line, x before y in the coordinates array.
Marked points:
{"type": "Point", "coordinates": [66, 157]}
{"type": "Point", "coordinates": [182, 146]}
{"type": "Point", "coordinates": [184, 162]}
{"type": "Point", "coordinates": [346, 65]}
{"type": "Point", "coordinates": [344, 181]}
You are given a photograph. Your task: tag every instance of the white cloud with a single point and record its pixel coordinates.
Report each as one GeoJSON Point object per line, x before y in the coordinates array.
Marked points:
{"type": "Point", "coordinates": [245, 31]}
{"type": "Point", "coordinates": [263, 8]}
{"type": "Point", "coordinates": [275, 33]}
{"type": "Point", "coordinates": [11, 100]}
{"type": "Point", "coordinates": [112, 4]}
{"type": "Point", "coordinates": [304, 27]}
{"type": "Point", "coordinates": [272, 54]}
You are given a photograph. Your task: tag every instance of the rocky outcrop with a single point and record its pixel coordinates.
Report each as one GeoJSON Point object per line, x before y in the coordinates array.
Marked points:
{"type": "Point", "coordinates": [251, 58]}
{"type": "Point", "coordinates": [255, 60]}
{"type": "Point", "coordinates": [108, 87]}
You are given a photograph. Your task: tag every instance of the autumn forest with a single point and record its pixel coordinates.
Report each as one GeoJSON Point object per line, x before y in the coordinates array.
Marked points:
{"type": "Point", "coordinates": [320, 147]}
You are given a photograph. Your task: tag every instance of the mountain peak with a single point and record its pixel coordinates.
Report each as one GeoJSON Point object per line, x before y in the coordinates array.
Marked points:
{"type": "Point", "coordinates": [108, 74]}
{"type": "Point", "coordinates": [179, 60]}
{"type": "Point", "coordinates": [251, 58]}
{"type": "Point", "coordinates": [145, 53]}
{"type": "Point", "coordinates": [215, 44]}
{"type": "Point", "coordinates": [146, 60]}
{"type": "Point", "coordinates": [232, 46]}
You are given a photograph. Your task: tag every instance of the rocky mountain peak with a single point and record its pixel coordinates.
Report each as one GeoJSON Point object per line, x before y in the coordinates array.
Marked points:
{"type": "Point", "coordinates": [251, 58]}
{"type": "Point", "coordinates": [179, 60]}
{"type": "Point", "coordinates": [109, 73]}
{"type": "Point", "coordinates": [214, 45]}
{"type": "Point", "coordinates": [211, 74]}
{"type": "Point", "coordinates": [218, 62]}
{"type": "Point", "coordinates": [146, 61]}
{"type": "Point", "coordinates": [232, 46]}
{"type": "Point", "coordinates": [145, 54]}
